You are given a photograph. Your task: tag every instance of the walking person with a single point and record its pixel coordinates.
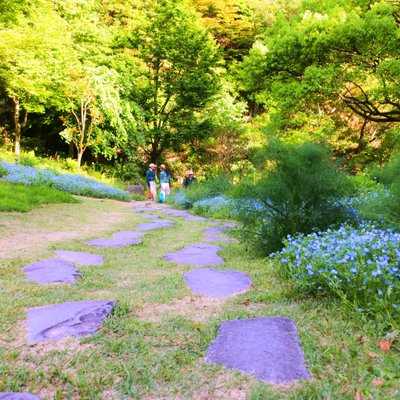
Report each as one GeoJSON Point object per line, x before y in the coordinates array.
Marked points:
{"type": "Point", "coordinates": [151, 181]}
{"type": "Point", "coordinates": [165, 181]}
{"type": "Point", "coordinates": [189, 179]}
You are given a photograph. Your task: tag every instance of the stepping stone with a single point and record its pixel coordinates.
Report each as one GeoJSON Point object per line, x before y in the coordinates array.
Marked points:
{"type": "Point", "coordinates": [155, 224]}
{"type": "Point", "coordinates": [114, 242]}
{"type": "Point", "coordinates": [194, 218]}
{"type": "Point", "coordinates": [149, 216]}
{"type": "Point", "coordinates": [80, 258]}
{"type": "Point", "coordinates": [128, 235]}
{"type": "Point", "coordinates": [144, 209]}
{"type": "Point", "coordinates": [18, 396]}
{"type": "Point", "coordinates": [76, 318]}
{"type": "Point", "coordinates": [51, 270]}
{"type": "Point", "coordinates": [218, 238]}
{"type": "Point", "coordinates": [267, 348]}
{"type": "Point", "coordinates": [176, 213]}
{"type": "Point", "coordinates": [214, 231]}
{"type": "Point", "coordinates": [230, 225]}
{"type": "Point", "coordinates": [216, 283]}
{"type": "Point", "coordinates": [200, 255]}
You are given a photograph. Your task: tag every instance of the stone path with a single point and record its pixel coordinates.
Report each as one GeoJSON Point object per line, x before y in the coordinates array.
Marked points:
{"type": "Point", "coordinates": [216, 283]}
{"type": "Point", "coordinates": [17, 396]}
{"type": "Point", "coordinates": [56, 321]}
{"type": "Point", "coordinates": [266, 348]}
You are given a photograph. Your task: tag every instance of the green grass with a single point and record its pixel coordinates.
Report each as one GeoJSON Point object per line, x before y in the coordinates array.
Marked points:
{"type": "Point", "coordinates": [141, 352]}
{"type": "Point", "coordinates": [23, 198]}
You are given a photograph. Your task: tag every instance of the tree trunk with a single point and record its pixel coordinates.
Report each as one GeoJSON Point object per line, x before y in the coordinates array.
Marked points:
{"type": "Point", "coordinates": [79, 158]}
{"type": "Point", "coordinates": [18, 126]}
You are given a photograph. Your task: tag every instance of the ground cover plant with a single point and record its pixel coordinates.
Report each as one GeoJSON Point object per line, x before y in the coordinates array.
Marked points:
{"type": "Point", "coordinates": [17, 197]}
{"type": "Point", "coordinates": [153, 345]}
{"type": "Point", "coordinates": [74, 184]}
{"type": "Point", "coordinates": [358, 265]}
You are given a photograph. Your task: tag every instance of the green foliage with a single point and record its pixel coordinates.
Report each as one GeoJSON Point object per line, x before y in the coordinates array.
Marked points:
{"type": "Point", "coordinates": [298, 194]}
{"type": "Point", "coordinates": [24, 198]}
{"type": "Point", "coordinates": [208, 188]}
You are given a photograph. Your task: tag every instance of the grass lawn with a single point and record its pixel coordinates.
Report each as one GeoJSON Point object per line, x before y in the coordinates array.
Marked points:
{"type": "Point", "coordinates": [14, 197]}
{"type": "Point", "coordinates": [153, 345]}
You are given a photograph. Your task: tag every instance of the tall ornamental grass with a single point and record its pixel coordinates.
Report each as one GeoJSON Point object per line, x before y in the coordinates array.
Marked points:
{"type": "Point", "coordinates": [359, 265]}
{"type": "Point", "coordinates": [73, 184]}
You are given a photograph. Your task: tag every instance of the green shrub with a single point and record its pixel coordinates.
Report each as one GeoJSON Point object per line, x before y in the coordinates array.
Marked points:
{"type": "Point", "coordinates": [298, 194]}
{"type": "Point", "coordinates": [208, 188]}
{"type": "Point", "coordinates": [15, 197]}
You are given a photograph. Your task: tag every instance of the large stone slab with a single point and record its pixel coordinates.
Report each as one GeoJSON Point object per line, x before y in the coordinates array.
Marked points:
{"type": "Point", "coordinates": [176, 213]}
{"type": "Point", "coordinates": [76, 318]}
{"type": "Point", "coordinates": [51, 270]}
{"type": "Point", "coordinates": [155, 224]}
{"type": "Point", "coordinates": [80, 258]}
{"type": "Point", "coordinates": [200, 255]}
{"type": "Point", "coordinates": [149, 216]}
{"type": "Point", "coordinates": [194, 218]}
{"type": "Point", "coordinates": [216, 283]}
{"type": "Point", "coordinates": [128, 235]}
{"type": "Point", "coordinates": [267, 348]}
{"type": "Point", "coordinates": [113, 242]}
{"type": "Point", "coordinates": [18, 396]}
{"type": "Point", "coordinates": [214, 231]}
{"type": "Point", "coordinates": [218, 239]}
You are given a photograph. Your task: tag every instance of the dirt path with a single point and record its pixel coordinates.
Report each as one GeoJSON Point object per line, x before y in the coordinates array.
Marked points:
{"type": "Point", "coordinates": [21, 233]}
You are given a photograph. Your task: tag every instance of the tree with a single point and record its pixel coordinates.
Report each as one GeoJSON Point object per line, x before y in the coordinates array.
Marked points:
{"type": "Point", "coordinates": [328, 66]}
{"type": "Point", "coordinates": [177, 75]}
{"type": "Point", "coordinates": [33, 45]}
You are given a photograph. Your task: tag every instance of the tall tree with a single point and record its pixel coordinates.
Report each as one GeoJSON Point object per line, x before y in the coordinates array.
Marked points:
{"type": "Point", "coordinates": [177, 77]}
{"type": "Point", "coordinates": [331, 64]}
{"type": "Point", "coordinates": [34, 45]}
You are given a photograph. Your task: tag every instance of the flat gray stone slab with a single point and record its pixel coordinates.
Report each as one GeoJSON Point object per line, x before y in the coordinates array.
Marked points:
{"type": "Point", "coordinates": [214, 231]}
{"type": "Point", "coordinates": [194, 218]}
{"type": "Point", "coordinates": [113, 242]}
{"type": "Point", "coordinates": [149, 216]}
{"type": "Point", "coordinates": [51, 270]}
{"type": "Point", "coordinates": [144, 209]}
{"type": "Point", "coordinates": [267, 348]}
{"type": "Point", "coordinates": [200, 255]}
{"type": "Point", "coordinates": [128, 235]}
{"type": "Point", "coordinates": [77, 318]}
{"type": "Point", "coordinates": [155, 224]}
{"type": "Point", "coordinates": [230, 225]}
{"type": "Point", "coordinates": [218, 239]}
{"type": "Point", "coordinates": [80, 258]}
{"type": "Point", "coordinates": [216, 283]}
{"type": "Point", "coordinates": [176, 213]}
{"type": "Point", "coordinates": [18, 396]}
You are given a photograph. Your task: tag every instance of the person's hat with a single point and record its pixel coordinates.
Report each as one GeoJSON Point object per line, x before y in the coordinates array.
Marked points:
{"type": "Point", "coordinates": [190, 172]}
{"type": "Point", "coordinates": [152, 165]}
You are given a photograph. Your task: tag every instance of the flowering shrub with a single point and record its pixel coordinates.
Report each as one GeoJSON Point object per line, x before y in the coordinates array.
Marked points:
{"type": "Point", "coordinates": [74, 184]}
{"type": "Point", "coordinates": [361, 266]}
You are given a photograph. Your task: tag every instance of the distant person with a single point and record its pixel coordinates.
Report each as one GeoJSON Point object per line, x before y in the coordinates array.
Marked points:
{"type": "Point", "coordinates": [189, 179]}
{"type": "Point", "coordinates": [165, 181]}
{"type": "Point", "coordinates": [151, 181]}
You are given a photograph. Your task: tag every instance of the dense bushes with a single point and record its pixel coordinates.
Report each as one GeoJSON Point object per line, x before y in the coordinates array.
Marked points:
{"type": "Point", "coordinates": [299, 194]}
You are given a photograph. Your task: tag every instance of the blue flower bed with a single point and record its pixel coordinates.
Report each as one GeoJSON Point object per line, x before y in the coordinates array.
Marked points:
{"type": "Point", "coordinates": [360, 265]}
{"type": "Point", "coordinates": [74, 184]}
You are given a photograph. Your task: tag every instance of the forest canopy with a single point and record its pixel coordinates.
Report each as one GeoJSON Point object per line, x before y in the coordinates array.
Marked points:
{"type": "Point", "coordinates": [129, 82]}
